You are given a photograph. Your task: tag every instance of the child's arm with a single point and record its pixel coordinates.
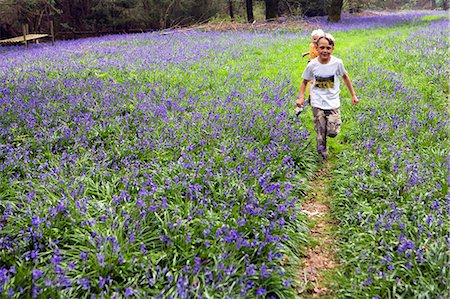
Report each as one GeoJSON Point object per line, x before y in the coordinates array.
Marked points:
{"type": "Point", "coordinates": [349, 85]}
{"type": "Point", "coordinates": [301, 97]}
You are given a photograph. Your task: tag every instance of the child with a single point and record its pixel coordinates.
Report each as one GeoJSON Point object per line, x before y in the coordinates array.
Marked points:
{"type": "Point", "coordinates": [324, 72]}
{"type": "Point", "coordinates": [312, 46]}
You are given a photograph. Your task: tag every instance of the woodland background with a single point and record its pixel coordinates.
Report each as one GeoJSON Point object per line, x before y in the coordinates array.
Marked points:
{"type": "Point", "coordinates": [82, 18]}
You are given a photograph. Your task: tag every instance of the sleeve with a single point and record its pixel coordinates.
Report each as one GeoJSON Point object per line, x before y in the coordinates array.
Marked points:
{"type": "Point", "coordinates": [307, 73]}
{"type": "Point", "coordinates": [341, 71]}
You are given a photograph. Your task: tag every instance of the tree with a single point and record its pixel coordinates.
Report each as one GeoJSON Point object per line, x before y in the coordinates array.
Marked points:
{"type": "Point", "coordinates": [35, 13]}
{"type": "Point", "coordinates": [334, 10]}
{"type": "Point", "coordinates": [249, 7]}
{"type": "Point", "coordinates": [230, 9]}
{"type": "Point", "coordinates": [433, 4]}
{"type": "Point", "coordinates": [313, 8]}
{"type": "Point", "coordinates": [271, 9]}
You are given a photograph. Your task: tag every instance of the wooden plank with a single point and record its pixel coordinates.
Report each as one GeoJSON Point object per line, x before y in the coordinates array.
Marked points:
{"type": "Point", "coordinates": [20, 39]}
{"type": "Point", "coordinates": [52, 33]}
{"type": "Point", "coordinates": [25, 32]}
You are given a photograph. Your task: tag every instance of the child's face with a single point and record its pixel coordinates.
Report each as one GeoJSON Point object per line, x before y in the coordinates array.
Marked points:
{"type": "Point", "coordinates": [324, 49]}
{"type": "Point", "coordinates": [315, 38]}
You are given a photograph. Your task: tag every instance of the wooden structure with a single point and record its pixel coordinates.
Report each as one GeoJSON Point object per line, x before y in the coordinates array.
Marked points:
{"type": "Point", "coordinates": [26, 38]}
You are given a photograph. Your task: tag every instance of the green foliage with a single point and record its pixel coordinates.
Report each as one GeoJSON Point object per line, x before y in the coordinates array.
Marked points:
{"type": "Point", "coordinates": [388, 185]}
{"type": "Point", "coordinates": [134, 169]}
{"type": "Point", "coordinates": [314, 8]}
{"type": "Point", "coordinates": [148, 164]}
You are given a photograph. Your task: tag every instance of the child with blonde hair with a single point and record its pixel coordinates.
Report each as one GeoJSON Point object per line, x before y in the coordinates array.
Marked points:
{"type": "Point", "coordinates": [312, 54]}
{"type": "Point", "coordinates": [312, 46]}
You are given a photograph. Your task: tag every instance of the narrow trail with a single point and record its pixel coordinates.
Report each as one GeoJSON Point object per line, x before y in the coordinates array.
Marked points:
{"type": "Point", "coordinates": [320, 257]}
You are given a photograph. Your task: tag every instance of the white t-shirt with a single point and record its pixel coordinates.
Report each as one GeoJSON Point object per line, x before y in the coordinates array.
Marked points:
{"type": "Point", "coordinates": [326, 83]}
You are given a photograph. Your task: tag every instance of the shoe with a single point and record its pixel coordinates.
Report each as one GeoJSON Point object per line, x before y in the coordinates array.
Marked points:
{"type": "Point", "coordinates": [324, 155]}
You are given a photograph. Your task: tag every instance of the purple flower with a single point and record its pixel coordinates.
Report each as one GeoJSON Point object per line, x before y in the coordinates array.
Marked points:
{"type": "Point", "coordinates": [367, 282]}
{"type": "Point", "coordinates": [36, 291]}
{"type": "Point", "coordinates": [101, 259]}
{"type": "Point", "coordinates": [197, 264]}
{"type": "Point", "coordinates": [287, 282]}
{"type": "Point", "coordinates": [35, 221]}
{"type": "Point", "coordinates": [261, 291]}
{"type": "Point", "coordinates": [264, 271]}
{"type": "Point", "coordinates": [102, 281]}
{"type": "Point", "coordinates": [56, 258]}
{"type": "Point", "coordinates": [85, 283]}
{"type": "Point", "coordinates": [129, 292]}
{"type": "Point", "coordinates": [250, 270]}
{"type": "Point", "coordinates": [143, 249]}
{"type": "Point", "coordinates": [83, 256]}
{"type": "Point", "coordinates": [37, 274]}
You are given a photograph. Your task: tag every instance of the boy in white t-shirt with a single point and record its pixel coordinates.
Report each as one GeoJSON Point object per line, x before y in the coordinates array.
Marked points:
{"type": "Point", "coordinates": [325, 71]}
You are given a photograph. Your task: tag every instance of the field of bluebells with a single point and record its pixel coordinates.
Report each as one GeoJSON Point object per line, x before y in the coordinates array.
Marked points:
{"type": "Point", "coordinates": [392, 189]}
{"type": "Point", "coordinates": [171, 165]}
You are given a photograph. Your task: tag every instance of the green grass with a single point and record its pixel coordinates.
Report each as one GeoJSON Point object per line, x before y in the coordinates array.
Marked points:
{"type": "Point", "coordinates": [150, 151]}
{"type": "Point", "coordinates": [403, 81]}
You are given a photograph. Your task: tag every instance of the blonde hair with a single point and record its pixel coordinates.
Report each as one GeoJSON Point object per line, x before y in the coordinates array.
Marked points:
{"type": "Point", "coordinates": [318, 32]}
{"type": "Point", "coordinates": [328, 37]}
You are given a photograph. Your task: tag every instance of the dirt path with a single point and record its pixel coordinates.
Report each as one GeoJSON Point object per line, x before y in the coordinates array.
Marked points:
{"type": "Point", "coordinates": [320, 259]}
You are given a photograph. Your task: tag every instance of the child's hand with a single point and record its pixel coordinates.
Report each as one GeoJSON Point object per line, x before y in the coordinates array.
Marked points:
{"type": "Point", "coordinates": [300, 102]}
{"type": "Point", "coordinates": [355, 100]}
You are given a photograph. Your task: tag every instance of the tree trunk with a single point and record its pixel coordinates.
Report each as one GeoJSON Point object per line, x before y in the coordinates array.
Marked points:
{"type": "Point", "coordinates": [433, 4]}
{"type": "Point", "coordinates": [271, 9]}
{"type": "Point", "coordinates": [334, 11]}
{"type": "Point", "coordinates": [249, 4]}
{"type": "Point", "coordinates": [230, 9]}
{"type": "Point", "coordinates": [445, 4]}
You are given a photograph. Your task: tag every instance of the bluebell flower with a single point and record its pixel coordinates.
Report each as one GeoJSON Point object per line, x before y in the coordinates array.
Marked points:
{"type": "Point", "coordinates": [129, 292]}
{"type": "Point", "coordinates": [37, 274]}
{"type": "Point", "coordinates": [367, 282]}
{"type": "Point", "coordinates": [261, 291]}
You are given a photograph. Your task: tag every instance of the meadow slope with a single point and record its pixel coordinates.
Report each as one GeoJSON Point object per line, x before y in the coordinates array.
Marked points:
{"type": "Point", "coordinates": [172, 166]}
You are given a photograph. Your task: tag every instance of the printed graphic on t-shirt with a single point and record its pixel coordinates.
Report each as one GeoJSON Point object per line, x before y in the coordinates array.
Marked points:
{"type": "Point", "coordinates": [325, 82]}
